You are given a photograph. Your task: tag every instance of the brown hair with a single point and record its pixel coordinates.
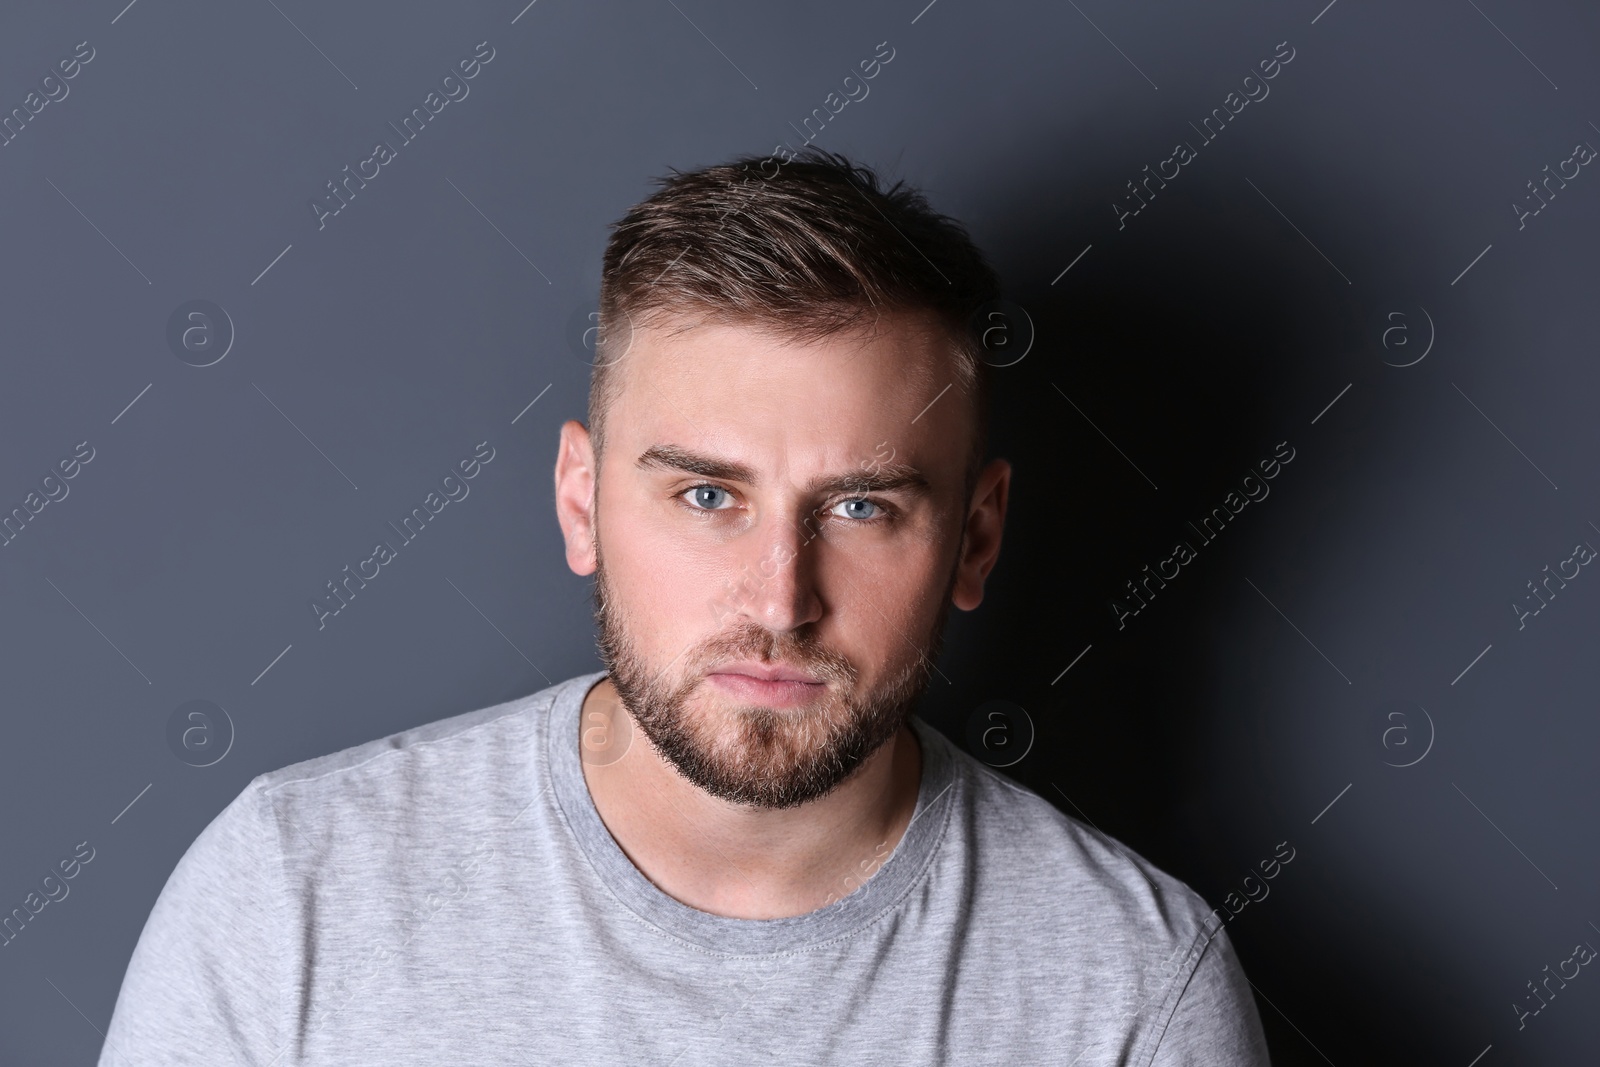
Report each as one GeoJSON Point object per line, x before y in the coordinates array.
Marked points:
{"type": "Point", "coordinates": [807, 246]}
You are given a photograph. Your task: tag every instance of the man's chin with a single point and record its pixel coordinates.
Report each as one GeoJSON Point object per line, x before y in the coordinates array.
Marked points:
{"type": "Point", "coordinates": [724, 719]}
{"type": "Point", "coordinates": [742, 732]}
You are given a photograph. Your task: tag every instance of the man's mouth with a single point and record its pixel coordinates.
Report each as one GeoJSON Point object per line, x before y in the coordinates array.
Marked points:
{"type": "Point", "coordinates": [768, 672]}
{"type": "Point", "coordinates": [771, 684]}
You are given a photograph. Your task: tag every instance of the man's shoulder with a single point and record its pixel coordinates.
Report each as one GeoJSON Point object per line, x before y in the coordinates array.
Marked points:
{"type": "Point", "coordinates": [454, 761]}
{"type": "Point", "coordinates": [1048, 864]}
{"type": "Point", "coordinates": [1073, 910]}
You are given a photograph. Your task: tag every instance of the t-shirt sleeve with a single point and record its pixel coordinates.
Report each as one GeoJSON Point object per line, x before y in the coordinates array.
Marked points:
{"type": "Point", "coordinates": [1215, 1023]}
{"type": "Point", "coordinates": [205, 983]}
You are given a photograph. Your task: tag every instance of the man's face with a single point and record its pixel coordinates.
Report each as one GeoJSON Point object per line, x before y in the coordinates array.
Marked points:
{"type": "Point", "coordinates": [767, 508]}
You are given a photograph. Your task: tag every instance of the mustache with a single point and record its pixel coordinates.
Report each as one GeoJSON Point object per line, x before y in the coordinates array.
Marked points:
{"type": "Point", "coordinates": [751, 642]}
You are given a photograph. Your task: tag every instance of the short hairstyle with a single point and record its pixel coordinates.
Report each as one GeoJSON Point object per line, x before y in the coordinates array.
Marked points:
{"type": "Point", "coordinates": [806, 246]}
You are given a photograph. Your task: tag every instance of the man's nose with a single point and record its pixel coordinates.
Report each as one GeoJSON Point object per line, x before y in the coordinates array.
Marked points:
{"type": "Point", "coordinates": [777, 581]}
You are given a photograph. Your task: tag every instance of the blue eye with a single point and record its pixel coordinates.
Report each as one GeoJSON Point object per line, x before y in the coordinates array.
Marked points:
{"type": "Point", "coordinates": [702, 492]}
{"type": "Point", "coordinates": [859, 503]}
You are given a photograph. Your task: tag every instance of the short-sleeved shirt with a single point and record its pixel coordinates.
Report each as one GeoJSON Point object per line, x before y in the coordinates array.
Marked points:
{"type": "Point", "coordinates": [449, 894]}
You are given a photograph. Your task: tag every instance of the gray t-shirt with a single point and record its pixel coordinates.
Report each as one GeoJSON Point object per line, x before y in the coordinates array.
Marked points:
{"type": "Point", "coordinates": [450, 895]}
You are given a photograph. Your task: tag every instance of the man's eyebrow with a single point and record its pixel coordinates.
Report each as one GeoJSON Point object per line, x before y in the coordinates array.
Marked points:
{"type": "Point", "coordinates": [877, 478]}
{"type": "Point", "coordinates": [672, 457]}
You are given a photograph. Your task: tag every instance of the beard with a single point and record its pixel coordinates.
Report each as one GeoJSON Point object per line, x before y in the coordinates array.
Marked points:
{"type": "Point", "coordinates": [752, 754]}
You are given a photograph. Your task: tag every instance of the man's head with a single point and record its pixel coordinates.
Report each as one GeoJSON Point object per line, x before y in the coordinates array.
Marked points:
{"type": "Point", "coordinates": [784, 466]}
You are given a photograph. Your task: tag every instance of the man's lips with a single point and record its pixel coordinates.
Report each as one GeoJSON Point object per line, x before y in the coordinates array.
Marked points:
{"type": "Point", "coordinates": [764, 672]}
{"type": "Point", "coordinates": [771, 685]}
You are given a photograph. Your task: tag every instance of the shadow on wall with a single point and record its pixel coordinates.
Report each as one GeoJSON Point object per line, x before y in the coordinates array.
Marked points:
{"type": "Point", "coordinates": [1168, 395]}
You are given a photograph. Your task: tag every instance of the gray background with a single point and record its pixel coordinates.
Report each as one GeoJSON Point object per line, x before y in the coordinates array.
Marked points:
{"type": "Point", "coordinates": [1256, 689]}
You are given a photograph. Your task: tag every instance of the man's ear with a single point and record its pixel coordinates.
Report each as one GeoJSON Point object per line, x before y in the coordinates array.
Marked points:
{"type": "Point", "coordinates": [981, 536]}
{"type": "Point", "coordinates": [575, 477]}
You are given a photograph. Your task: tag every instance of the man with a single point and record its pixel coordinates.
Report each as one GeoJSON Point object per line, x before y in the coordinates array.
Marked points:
{"type": "Point", "coordinates": [737, 844]}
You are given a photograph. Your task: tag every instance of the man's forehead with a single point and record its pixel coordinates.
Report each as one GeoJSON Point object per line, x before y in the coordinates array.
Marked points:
{"type": "Point", "coordinates": [744, 387]}
{"type": "Point", "coordinates": [883, 367]}
{"type": "Point", "coordinates": [909, 340]}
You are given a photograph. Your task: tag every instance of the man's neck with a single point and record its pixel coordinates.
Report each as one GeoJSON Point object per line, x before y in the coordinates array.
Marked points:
{"type": "Point", "coordinates": [735, 860]}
